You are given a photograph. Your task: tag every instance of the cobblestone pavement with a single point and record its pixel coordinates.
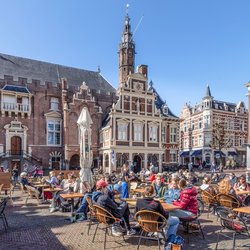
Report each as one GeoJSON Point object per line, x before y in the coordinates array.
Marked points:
{"type": "Point", "coordinates": [34, 227]}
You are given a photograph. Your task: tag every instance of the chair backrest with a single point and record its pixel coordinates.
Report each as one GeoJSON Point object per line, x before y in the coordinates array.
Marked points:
{"type": "Point", "coordinates": [32, 191]}
{"type": "Point", "coordinates": [207, 197]}
{"type": "Point", "coordinates": [90, 202]}
{"type": "Point", "coordinates": [231, 221]}
{"type": "Point", "coordinates": [103, 216]}
{"type": "Point", "coordinates": [228, 201]}
{"type": "Point", "coordinates": [200, 207]}
{"type": "Point", "coordinates": [150, 221]}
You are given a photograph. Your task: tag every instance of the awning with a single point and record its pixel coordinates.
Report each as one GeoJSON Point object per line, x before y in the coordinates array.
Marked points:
{"type": "Point", "coordinates": [232, 153]}
{"type": "Point", "coordinates": [184, 153]}
{"type": "Point", "coordinates": [217, 152]}
{"type": "Point", "coordinates": [197, 152]}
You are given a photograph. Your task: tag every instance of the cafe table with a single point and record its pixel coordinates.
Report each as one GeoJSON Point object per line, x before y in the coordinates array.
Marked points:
{"type": "Point", "coordinates": [166, 206]}
{"type": "Point", "coordinates": [40, 185]}
{"type": "Point", "coordinates": [72, 196]}
{"type": "Point", "coordinates": [53, 191]}
{"type": "Point", "coordinates": [245, 210]}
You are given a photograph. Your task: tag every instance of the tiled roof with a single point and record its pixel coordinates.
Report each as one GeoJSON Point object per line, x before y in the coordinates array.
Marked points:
{"type": "Point", "coordinates": [49, 72]}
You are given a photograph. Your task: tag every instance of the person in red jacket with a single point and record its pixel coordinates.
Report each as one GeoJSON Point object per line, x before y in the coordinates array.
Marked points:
{"type": "Point", "coordinates": [187, 201]}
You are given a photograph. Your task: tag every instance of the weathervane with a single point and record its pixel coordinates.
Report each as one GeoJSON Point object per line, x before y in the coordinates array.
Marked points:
{"type": "Point", "coordinates": [127, 6]}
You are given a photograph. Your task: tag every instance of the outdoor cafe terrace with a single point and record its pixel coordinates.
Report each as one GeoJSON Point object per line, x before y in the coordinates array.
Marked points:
{"type": "Point", "coordinates": [32, 226]}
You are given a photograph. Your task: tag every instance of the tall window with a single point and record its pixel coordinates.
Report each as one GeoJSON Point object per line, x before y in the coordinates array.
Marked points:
{"type": "Point", "coordinates": [200, 140]}
{"type": "Point", "coordinates": [137, 132]}
{"type": "Point", "coordinates": [54, 132]}
{"type": "Point", "coordinates": [152, 133]}
{"type": "Point", "coordinates": [206, 121]}
{"type": "Point", "coordinates": [242, 128]}
{"type": "Point", "coordinates": [200, 123]}
{"type": "Point", "coordinates": [122, 131]}
{"type": "Point", "coordinates": [231, 124]}
{"type": "Point", "coordinates": [173, 157]}
{"type": "Point", "coordinates": [54, 103]}
{"type": "Point", "coordinates": [163, 134]}
{"type": "Point", "coordinates": [173, 135]}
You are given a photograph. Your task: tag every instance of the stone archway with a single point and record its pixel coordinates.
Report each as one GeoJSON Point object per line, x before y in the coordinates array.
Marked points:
{"type": "Point", "coordinates": [137, 163]}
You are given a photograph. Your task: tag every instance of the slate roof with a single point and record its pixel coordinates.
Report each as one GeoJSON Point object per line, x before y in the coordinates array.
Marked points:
{"type": "Point", "coordinates": [16, 89]}
{"type": "Point", "coordinates": [49, 72]}
{"type": "Point", "coordinates": [160, 104]}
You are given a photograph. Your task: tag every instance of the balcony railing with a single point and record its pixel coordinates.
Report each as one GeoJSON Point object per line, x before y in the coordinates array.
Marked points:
{"type": "Point", "coordinates": [15, 107]}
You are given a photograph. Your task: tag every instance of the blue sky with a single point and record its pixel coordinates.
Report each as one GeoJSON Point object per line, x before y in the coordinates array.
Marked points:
{"type": "Point", "coordinates": [186, 44]}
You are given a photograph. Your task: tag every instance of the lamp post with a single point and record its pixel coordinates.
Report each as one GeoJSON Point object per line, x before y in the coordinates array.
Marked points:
{"type": "Point", "coordinates": [190, 133]}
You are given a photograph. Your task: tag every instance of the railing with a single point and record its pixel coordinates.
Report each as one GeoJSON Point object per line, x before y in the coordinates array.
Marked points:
{"type": "Point", "coordinates": [7, 106]}
{"type": "Point", "coordinates": [19, 153]}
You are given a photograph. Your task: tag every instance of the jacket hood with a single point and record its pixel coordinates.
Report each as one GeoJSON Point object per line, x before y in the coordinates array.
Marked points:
{"type": "Point", "coordinates": [190, 190]}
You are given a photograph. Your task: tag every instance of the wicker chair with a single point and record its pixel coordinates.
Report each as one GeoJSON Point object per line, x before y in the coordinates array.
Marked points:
{"type": "Point", "coordinates": [209, 201]}
{"type": "Point", "coordinates": [187, 221]}
{"type": "Point", "coordinates": [105, 218]}
{"type": "Point", "coordinates": [150, 222]}
{"type": "Point", "coordinates": [229, 201]}
{"type": "Point", "coordinates": [32, 192]}
{"type": "Point", "coordinates": [92, 216]}
{"type": "Point", "coordinates": [231, 222]}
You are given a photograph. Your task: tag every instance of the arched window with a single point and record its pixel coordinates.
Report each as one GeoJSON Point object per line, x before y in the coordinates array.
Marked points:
{"type": "Point", "coordinates": [106, 163]}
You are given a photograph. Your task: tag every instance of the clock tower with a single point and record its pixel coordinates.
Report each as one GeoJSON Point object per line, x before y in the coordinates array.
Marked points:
{"type": "Point", "coordinates": [126, 53]}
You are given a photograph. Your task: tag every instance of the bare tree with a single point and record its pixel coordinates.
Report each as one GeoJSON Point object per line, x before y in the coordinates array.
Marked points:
{"type": "Point", "coordinates": [220, 140]}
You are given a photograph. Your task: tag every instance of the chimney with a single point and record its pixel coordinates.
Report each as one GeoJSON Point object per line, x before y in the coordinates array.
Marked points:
{"type": "Point", "coordinates": [143, 69]}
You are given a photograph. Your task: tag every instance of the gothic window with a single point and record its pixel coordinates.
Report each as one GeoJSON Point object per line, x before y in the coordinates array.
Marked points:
{"type": "Point", "coordinates": [200, 140]}
{"type": "Point", "coordinates": [54, 132]}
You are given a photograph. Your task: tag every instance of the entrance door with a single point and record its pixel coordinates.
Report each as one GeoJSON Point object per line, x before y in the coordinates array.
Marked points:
{"type": "Point", "coordinates": [16, 145]}
{"type": "Point", "coordinates": [137, 163]}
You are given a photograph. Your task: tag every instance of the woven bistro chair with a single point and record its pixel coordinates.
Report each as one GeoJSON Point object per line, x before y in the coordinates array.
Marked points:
{"type": "Point", "coordinates": [231, 223]}
{"type": "Point", "coordinates": [209, 201]}
{"type": "Point", "coordinates": [150, 222]}
{"type": "Point", "coordinates": [105, 218]}
{"type": "Point", "coordinates": [229, 201]}
{"type": "Point", "coordinates": [91, 214]}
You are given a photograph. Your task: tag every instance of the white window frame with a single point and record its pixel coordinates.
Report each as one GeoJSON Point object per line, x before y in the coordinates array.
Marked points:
{"type": "Point", "coordinates": [163, 134]}
{"type": "Point", "coordinates": [138, 132]}
{"type": "Point", "coordinates": [173, 134]}
{"type": "Point", "coordinates": [122, 131]}
{"type": "Point", "coordinates": [54, 132]}
{"type": "Point", "coordinates": [152, 132]}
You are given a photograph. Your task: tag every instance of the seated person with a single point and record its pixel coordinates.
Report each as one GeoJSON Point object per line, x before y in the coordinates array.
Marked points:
{"type": "Point", "coordinates": [25, 182]}
{"type": "Point", "coordinates": [159, 187]}
{"type": "Point", "coordinates": [83, 209]}
{"type": "Point", "coordinates": [53, 180]}
{"type": "Point", "coordinates": [241, 184]}
{"type": "Point", "coordinates": [148, 203]}
{"type": "Point", "coordinates": [173, 192]}
{"type": "Point", "coordinates": [187, 201]}
{"type": "Point", "coordinates": [101, 197]}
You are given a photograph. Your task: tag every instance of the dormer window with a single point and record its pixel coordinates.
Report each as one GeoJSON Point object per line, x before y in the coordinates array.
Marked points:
{"type": "Point", "coordinates": [165, 109]}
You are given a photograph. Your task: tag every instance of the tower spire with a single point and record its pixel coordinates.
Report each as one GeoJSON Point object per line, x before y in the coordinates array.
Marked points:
{"type": "Point", "coordinates": [126, 51]}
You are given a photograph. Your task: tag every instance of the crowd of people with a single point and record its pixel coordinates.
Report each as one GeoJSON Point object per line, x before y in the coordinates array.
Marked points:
{"type": "Point", "coordinates": [177, 188]}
